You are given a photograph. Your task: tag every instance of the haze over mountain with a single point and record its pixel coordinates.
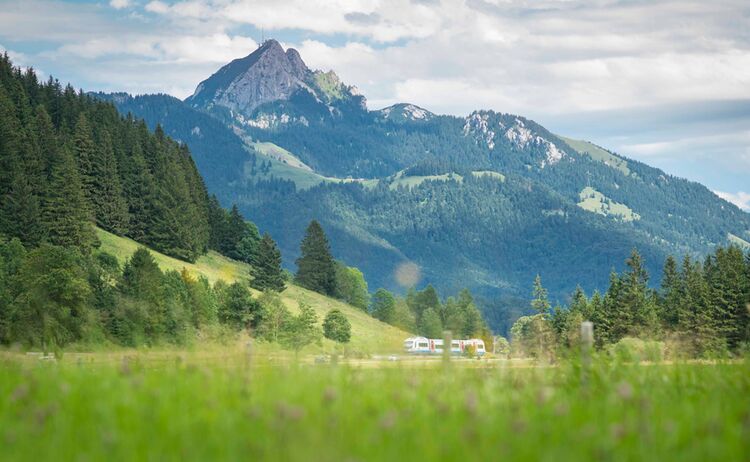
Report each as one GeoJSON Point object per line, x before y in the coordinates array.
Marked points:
{"type": "Point", "coordinates": [484, 201]}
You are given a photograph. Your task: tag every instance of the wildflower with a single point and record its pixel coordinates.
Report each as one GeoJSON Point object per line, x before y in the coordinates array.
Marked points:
{"type": "Point", "coordinates": [471, 402]}
{"type": "Point", "coordinates": [289, 412]}
{"type": "Point", "coordinates": [388, 421]}
{"type": "Point", "coordinates": [20, 393]}
{"type": "Point", "coordinates": [625, 390]}
{"type": "Point", "coordinates": [544, 395]}
{"type": "Point", "coordinates": [330, 395]}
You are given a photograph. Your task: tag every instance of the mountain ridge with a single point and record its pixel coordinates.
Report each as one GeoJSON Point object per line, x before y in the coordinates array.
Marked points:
{"type": "Point", "coordinates": [387, 189]}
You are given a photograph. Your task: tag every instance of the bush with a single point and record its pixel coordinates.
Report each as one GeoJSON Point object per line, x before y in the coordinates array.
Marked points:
{"type": "Point", "coordinates": [630, 349]}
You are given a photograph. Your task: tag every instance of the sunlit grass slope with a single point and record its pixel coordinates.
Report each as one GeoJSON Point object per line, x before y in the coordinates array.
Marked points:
{"type": "Point", "coordinates": [368, 334]}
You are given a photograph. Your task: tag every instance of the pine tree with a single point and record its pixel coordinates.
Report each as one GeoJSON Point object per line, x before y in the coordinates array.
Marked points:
{"type": "Point", "coordinates": [85, 153]}
{"type": "Point", "coordinates": [671, 289]}
{"type": "Point", "coordinates": [696, 324]}
{"type": "Point", "coordinates": [316, 270]}
{"type": "Point", "coordinates": [22, 205]}
{"type": "Point", "coordinates": [66, 213]}
{"type": "Point", "coordinates": [110, 208]}
{"type": "Point", "coordinates": [10, 161]}
{"type": "Point", "coordinates": [540, 303]}
{"type": "Point", "coordinates": [638, 299]}
{"type": "Point", "coordinates": [266, 267]}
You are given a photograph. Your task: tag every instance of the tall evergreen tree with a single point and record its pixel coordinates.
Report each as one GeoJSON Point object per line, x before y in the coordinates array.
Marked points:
{"type": "Point", "coordinates": [66, 212]}
{"type": "Point", "coordinates": [637, 297]}
{"type": "Point", "coordinates": [671, 293]}
{"type": "Point", "coordinates": [85, 153]}
{"type": "Point", "coordinates": [316, 270]}
{"type": "Point", "coordinates": [266, 267]}
{"type": "Point", "coordinates": [540, 302]}
{"type": "Point", "coordinates": [110, 208]}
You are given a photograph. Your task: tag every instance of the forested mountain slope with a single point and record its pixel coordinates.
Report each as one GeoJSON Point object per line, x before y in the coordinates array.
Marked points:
{"type": "Point", "coordinates": [485, 201]}
{"type": "Point", "coordinates": [67, 160]}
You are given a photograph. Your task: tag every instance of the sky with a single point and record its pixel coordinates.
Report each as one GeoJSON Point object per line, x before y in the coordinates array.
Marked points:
{"type": "Point", "coordinates": [663, 82]}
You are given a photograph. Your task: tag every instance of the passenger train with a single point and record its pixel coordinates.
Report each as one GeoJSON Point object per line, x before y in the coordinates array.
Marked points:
{"type": "Point", "coordinates": [429, 346]}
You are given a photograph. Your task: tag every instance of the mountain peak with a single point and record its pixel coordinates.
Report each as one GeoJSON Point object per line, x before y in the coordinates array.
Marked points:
{"type": "Point", "coordinates": [270, 74]}
{"type": "Point", "coordinates": [267, 74]}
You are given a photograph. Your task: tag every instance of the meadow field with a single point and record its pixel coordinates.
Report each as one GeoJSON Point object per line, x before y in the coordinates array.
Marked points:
{"type": "Point", "coordinates": [213, 406]}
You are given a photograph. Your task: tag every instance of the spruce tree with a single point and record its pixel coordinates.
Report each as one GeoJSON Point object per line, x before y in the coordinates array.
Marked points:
{"type": "Point", "coordinates": [110, 208]}
{"type": "Point", "coordinates": [671, 288]}
{"type": "Point", "coordinates": [540, 302]}
{"type": "Point", "coordinates": [85, 153]}
{"type": "Point", "coordinates": [266, 267]}
{"type": "Point", "coordinates": [10, 162]}
{"type": "Point", "coordinates": [638, 298]}
{"type": "Point", "coordinates": [66, 213]}
{"type": "Point", "coordinates": [316, 270]}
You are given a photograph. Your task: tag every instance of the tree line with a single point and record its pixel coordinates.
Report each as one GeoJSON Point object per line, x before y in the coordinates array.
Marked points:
{"type": "Point", "coordinates": [701, 309]}
{"type": "Point", "coordinates": [69, 162]}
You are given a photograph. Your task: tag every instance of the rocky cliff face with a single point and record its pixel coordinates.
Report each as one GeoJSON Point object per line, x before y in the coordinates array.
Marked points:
{"type": "Point", "coordinates": [267, 75]}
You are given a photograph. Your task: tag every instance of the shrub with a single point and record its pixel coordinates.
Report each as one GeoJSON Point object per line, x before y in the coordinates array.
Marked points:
{"type": "Point", "coordinates": [630, 349]}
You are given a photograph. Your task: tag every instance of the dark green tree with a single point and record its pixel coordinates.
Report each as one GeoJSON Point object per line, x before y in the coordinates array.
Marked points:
{"type": "Point", "coordinates": [86, 156]}
{"type": "Point", "coordinates": [105, 189]}
{"type": "Point", "coordinates": [66, 214]}
{"type": "Point", "coordinates": [52, 307]}
{"type": "Point", "coordinates": [238, 308]}
{"type": "Point", "coordinates": [671, 294]}
{"type": "Point", "coordinates": [266, 266]}
{"type": "Point", "coordinates": [540, 302]}
{"type": "Point", "coordinates": [316, 270]}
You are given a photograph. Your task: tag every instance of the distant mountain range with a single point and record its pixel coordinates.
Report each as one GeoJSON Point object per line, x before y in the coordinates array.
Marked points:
{"type": "Point", "coordinates": [485, 201]}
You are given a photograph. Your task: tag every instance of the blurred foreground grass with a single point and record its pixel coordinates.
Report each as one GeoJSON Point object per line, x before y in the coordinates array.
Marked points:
{"type": "Point", "coordinates": [184, 407]}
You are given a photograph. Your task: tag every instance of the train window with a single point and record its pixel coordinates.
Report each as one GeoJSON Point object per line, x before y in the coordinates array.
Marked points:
{"type": "Point", "coordinates": [424, 345]}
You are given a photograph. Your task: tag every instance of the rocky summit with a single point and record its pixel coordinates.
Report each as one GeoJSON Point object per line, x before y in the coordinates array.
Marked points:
{"type": "Point", "coordinates": [237, 91]}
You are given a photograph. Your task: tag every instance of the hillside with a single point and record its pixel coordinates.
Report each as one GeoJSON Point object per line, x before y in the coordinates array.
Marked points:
{"type": "Point", "coordinates": [402, 186]}
{"type": "Point", "coordinates": [368, 334]}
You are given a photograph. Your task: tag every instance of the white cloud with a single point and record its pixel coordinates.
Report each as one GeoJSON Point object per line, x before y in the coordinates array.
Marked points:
{"type": "Point", "coordinates": [741, 199]}
{"type": "Point", "coordinates": [120, 4]}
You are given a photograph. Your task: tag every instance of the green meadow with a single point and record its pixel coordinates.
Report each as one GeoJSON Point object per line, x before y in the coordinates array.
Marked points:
{"type": "Point", "coordinates": [182, 406]}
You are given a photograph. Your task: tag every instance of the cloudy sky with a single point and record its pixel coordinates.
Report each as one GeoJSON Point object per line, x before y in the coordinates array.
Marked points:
{"type": "Point", "coordinates": [665, 82]}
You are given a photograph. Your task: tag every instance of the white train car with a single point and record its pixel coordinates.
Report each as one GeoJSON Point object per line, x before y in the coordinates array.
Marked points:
{"type": "Point", "coordinates": [433, 346]}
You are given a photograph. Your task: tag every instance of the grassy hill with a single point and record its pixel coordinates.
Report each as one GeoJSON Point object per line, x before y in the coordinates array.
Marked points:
{"type": "Point", "coordinates": [368, 334]}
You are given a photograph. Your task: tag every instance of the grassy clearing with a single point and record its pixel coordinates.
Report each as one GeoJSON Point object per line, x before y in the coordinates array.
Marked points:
{"type": "Point", "coordinates": [738, 241]}
{"type": "Point", "coordinates": [596, 202]}
{"type": "Point", "coordinates": [212, 265]}
{"type": "Point", "coordinates": [597, 153]}
{"type": "Point", "coordinates": [183, 410]}
{"type": "Point", "coordinates": [368, 334]}
{"type": "Point", "coordinates": [282, 155]}
{"type": "Point", "coordinates": [287, 166]}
